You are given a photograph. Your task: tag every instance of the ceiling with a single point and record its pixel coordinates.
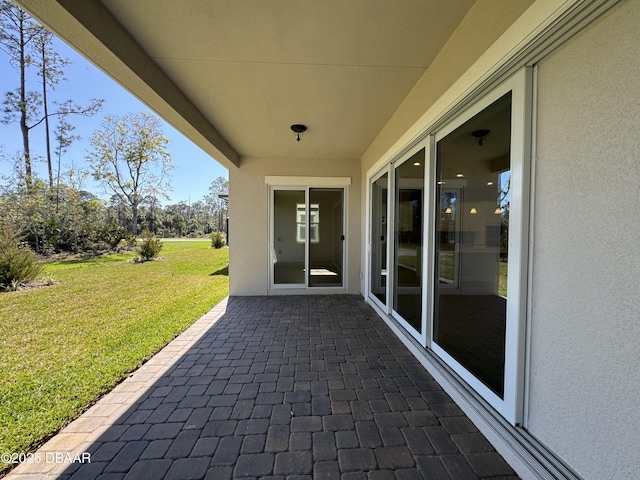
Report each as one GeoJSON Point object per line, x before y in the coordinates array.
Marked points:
{"type": "Point", "coordinates": [234, 75]}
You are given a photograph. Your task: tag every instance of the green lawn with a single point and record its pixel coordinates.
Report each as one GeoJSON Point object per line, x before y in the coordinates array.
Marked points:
{"type": "Point", "coordinates": [65, 345]}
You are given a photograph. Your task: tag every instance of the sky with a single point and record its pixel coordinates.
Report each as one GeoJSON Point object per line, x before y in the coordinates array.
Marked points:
{"type": "Point", "coordinates": [193, 171]}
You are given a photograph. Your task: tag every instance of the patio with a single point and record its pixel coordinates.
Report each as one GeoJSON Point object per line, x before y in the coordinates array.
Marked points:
{"type": "Point", "coordinates": [275, 387]}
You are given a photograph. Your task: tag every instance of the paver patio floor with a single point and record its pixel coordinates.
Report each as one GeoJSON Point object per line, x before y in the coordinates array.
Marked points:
{"type": "Point", "coordinates": [294, 387]}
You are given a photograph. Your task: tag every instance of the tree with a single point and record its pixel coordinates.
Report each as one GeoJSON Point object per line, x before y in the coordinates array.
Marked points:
{"type": "Point", "coordinates": [218, 206]}
{"type": "Point", "coordinates": [17, 31]}
{"type": "Point", "coordinates": [130, 159]}
{"type": "Point", "coordinates": [29, 44]}
{"type": "Point", "coordinates": [50, 66]}
{"type": "Point", "coordinates": [64, 139]}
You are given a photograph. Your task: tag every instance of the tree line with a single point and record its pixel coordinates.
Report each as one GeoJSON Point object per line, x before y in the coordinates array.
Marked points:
{"type": "Point", "coordinates": [128, 158]}
{"type": "Point", "coordinates": [71, 219]}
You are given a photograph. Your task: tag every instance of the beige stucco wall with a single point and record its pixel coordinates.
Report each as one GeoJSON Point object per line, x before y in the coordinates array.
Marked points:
{"type": "Point", "coordinates": [249, 218]}
{"type": "Point", "coordinates": [585, 325]}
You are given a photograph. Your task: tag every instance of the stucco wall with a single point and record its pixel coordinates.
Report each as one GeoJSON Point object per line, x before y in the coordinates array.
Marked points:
{"type": "Point", "coordinates": [249, 217]}
{"type": "Point", "coordinates": [585, 326]}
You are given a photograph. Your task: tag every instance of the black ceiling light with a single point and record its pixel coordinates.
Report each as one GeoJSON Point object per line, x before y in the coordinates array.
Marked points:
{"type": "Point", "coordinates": [480, 134]}
{"type": "Point", "coordinates": [298, 129]}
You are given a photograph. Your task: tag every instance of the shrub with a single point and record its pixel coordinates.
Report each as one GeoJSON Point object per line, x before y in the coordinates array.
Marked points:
{"type": "Point", "coordinates": [18, 264]}
{"type": "Point", "coordinates": [130, 241]}
{"type": "Point", "coordinates": [218, 239]}
{"type": "Point", "coordinates": [149, 247]}
{"type": "Point", "coordinates": [112, 234]}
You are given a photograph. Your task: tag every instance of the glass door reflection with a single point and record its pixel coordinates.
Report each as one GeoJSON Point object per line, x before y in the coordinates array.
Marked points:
{"type": "Point", "coordinates": [408, 245]}
{"type": "Point", "coordinates": [449, 237]}
{"type": "Point", "coordinates": [379, 202]}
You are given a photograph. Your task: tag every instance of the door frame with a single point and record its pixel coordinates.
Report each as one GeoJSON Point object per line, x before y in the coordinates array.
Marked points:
{"type": "Point", "coordinates": [425, 144]}
{"type": "Point", "coordinates": [306, 183]}
{"type": "Point", "coordinates": [371, 262]}
{"type": "Point", "coordinates": [511, 406]}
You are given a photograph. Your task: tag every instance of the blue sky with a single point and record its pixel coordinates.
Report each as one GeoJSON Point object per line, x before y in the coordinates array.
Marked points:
{"type": "Point", "coordinates": [193, 172]}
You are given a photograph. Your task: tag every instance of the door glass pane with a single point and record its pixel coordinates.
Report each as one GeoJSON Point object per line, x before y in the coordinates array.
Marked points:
{"type": "Point", "coordinates": [408, 213]}
{"type": "Point", "coordinates": [472, 219]}
{"type": "Point", "coordinates": [326, 237]}
{"type": "Point", "coordinates": [289, 231]}
{"type": "Point", "coordinates": [379, 192]}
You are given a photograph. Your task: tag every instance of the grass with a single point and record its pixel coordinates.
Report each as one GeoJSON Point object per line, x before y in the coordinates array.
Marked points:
{"type": "Point", "coordinates": [63, 346]}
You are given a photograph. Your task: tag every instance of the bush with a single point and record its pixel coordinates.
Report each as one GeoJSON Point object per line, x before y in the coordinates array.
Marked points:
{"type": "Point", "coordinates": [218, 240]}
{"type": "Point", "coordinates": [150, 246]}
{"type": "Point", "coordinates": [18, 264]}
{"type": "Point", "coordinates": [112, 234]}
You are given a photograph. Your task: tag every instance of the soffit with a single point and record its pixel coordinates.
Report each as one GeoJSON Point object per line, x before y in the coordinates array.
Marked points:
{"type": "Point", "coordinates": [249, 69]}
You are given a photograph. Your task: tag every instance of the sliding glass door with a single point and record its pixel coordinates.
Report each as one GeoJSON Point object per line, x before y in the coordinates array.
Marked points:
{"type": "Point", "coordinates": [307, 237]}
{"type": "Point", "coordinates": [378, 238]}
{"type": "Point", "coordinates": [326, 237]}
{"type": "Point", "coordinates": [480, 231]}
{"type": "Point", "coordinates": [408, 240]}
{"type": "Point", "coordinates": [473, 168]}
{"type": "Point", "coordinates": [289, 237]}
{"type": "Point", "coordinates": [396, 256]}
{"type": "Point", "coordinates": [455, 211]}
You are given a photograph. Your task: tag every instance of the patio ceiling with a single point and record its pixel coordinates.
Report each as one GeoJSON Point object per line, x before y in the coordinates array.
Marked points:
{"type": "Point", "coordinates": [234, 75]}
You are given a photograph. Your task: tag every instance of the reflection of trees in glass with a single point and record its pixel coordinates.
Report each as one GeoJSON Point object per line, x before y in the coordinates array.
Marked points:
{"type": "Point", "coordinates": [504, 200]}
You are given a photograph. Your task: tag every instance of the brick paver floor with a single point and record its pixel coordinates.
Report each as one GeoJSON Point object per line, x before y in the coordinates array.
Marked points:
{"type": "Point", "coordinates": [291, 387]}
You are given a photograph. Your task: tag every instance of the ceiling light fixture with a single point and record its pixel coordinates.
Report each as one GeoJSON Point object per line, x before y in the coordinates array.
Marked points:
{"type": "Point", "coordinates": [298, 130]}
{"type": "Point", "coordinates": [480, 134]}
